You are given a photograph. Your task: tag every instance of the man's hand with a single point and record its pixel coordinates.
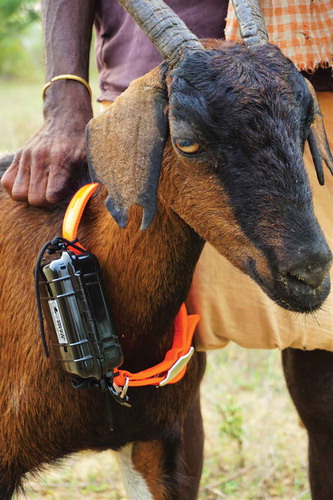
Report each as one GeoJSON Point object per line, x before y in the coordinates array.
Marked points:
{"type": "Point", "coordinates": [44, 170]}
{"type": "Point", "coordinates": [50, 164]}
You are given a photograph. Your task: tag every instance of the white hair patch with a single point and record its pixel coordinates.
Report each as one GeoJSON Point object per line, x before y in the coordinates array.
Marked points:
{"type": "Point", "coordinates": [135, 485]}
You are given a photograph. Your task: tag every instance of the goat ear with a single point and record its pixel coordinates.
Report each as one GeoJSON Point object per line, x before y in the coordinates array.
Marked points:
{"type": "Point", "coordinates": [125, 146]}
{"type": "Point", "coordinates": [318, 142]}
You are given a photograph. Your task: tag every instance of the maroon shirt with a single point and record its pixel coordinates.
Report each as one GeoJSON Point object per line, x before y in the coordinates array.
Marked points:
{"type": "Point", "coordinates": [124, 52]}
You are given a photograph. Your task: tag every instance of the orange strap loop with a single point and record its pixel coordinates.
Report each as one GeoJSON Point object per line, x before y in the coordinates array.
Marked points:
{"type": "Point", "coordinates": [74, 213]}
{"type": "Point", "coordinates": [173, 367]}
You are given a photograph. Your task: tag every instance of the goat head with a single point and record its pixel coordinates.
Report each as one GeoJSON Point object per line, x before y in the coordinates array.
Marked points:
{"type": "Point", "coordinates": [238, 117]}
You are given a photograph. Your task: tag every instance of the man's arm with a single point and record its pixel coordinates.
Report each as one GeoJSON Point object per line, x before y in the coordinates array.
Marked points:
{"type": "Point", "coordinates": [41, 171]}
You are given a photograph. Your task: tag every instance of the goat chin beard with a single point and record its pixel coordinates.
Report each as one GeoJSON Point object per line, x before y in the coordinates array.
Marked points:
{"type": "Point", "coordinates": [289, 292]}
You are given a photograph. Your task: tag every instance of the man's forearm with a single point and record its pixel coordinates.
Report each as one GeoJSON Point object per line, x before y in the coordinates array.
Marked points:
{"type": "Point", "coordinates": [67, 30]}
{"type": "Point", "coordinates": [42, 170]}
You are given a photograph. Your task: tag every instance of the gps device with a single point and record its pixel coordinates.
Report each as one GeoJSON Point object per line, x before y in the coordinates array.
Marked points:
{"type": "Point", "coordinates": [73, 289]}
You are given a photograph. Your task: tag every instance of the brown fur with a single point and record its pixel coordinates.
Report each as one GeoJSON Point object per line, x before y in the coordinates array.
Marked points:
{"type": "Point", "coordinates": [148, 459]}
{"type": "Point", "coordinates": [43, 417]}
{"type": "Point", "coordinates": [189, 200]}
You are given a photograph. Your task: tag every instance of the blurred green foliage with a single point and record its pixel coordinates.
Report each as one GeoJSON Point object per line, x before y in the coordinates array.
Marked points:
{"type": "Point", "coordinates": [232, 419]}
{"type": "Point", "coordinates": [16, 15]}
{"type": "Point", "coordinates": [20, 38]}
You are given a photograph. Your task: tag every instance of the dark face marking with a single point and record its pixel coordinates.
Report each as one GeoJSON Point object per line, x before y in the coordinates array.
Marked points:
{"type": "Point", "coordinates": [250, 112]}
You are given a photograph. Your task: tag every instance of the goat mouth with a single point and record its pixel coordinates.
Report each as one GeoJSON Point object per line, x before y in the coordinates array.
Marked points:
{"type": "Point", "coordinates": [292, 293]}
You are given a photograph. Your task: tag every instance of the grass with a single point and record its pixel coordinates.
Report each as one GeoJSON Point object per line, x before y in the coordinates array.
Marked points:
{"type": "Point", "coordinates": [255, 447]}
{"type": "Point", "coordinates": [20, 113]}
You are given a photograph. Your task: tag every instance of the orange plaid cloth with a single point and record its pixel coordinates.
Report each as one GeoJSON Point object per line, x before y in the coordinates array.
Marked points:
{"type": "Point", "coordinates": [302, 29]}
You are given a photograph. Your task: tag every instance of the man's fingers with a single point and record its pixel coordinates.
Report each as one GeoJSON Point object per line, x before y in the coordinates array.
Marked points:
{"type": "Point", "coordinates": [57, 181]}
{"type": "Point", "coordinates": [39, 173]}
{"type": "Point", "coordinates": [8, 178]}
{"type": "Point", "coordinates": [46, 170]}
{"type": "Point", "coordinates": [20, 187]}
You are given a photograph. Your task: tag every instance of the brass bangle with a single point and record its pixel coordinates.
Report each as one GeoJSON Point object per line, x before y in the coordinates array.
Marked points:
{"type": "Point", "coordinates": [67, 77]}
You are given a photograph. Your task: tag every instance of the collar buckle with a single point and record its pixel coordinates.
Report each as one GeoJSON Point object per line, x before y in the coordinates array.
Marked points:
{"type": "Point", "coordinates": [119, 393]}
{"type": "Point", "coordinates": [177, 367]}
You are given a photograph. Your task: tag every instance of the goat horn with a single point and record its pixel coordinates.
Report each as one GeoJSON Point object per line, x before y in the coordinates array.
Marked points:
{"type": "Point", "coordinates": [251, 22]}
{"type": "Point", "coordinates": [165, 29]}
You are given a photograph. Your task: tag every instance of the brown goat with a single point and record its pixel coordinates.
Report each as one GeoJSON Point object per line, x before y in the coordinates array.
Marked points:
{"type": "Point", "coordinates": [241, 190]}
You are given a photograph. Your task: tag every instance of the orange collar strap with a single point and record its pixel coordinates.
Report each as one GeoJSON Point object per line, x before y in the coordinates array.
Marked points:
{"type": "Point", "coordinates": [173, 367]}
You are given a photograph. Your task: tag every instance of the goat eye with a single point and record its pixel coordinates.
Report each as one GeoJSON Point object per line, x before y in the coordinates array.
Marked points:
{"type": "Point", "coordinates": [188, 148]}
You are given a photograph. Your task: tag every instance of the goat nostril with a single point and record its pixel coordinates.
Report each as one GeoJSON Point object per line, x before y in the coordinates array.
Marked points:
{"type": "Point", "coordinates": [312, 274]}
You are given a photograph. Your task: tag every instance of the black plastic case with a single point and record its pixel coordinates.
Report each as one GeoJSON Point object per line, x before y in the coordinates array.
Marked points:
{"type": "Point", "coordinates": [88, 344]}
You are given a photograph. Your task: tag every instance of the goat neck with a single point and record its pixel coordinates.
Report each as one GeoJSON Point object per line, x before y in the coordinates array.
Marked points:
{"type": "Point", "coordinates": [147, 273]}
